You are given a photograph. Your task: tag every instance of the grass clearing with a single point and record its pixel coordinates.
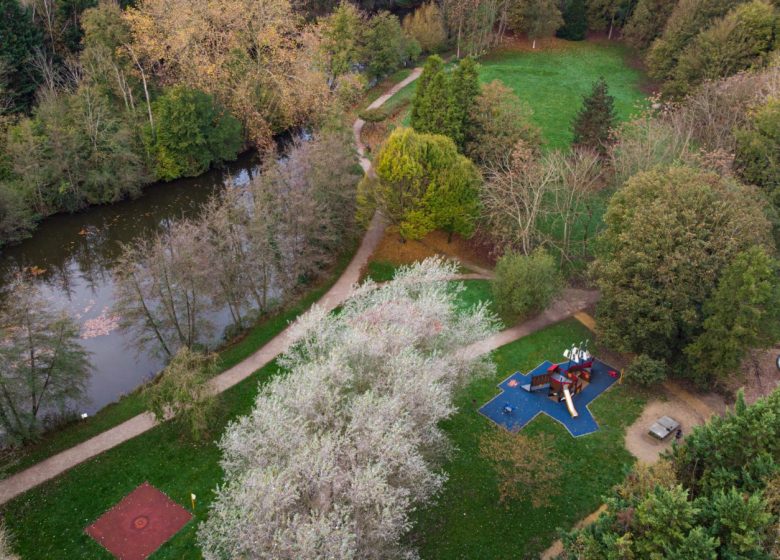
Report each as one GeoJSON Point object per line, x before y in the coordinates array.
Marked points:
{"type": "Point", "coordinates": [48, 521]}
{"type": "Point", "coordinates": [553, 80]}
{"type": "Point", "coordinates": [468, 521]}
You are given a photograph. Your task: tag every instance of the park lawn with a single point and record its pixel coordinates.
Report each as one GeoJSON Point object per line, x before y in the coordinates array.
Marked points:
{"type": "Point", "coordinates": [553, 81]}
{"type": "Point", "coordinates": [467, 520]}
{"type": "Point", "coordinates": [133, 403]}
{"type": "Point", "coordinates": [49, 520]}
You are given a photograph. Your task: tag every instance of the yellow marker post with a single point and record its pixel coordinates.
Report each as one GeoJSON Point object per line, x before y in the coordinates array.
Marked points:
{"type": "Point", "coordinates": [192, 497]}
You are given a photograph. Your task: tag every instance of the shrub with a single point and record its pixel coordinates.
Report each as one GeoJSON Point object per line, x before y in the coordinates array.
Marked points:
{"type": "Point", "coordinates": [373, 115]}
{"type": "Point", "coordinates": [182, 391]}
{"type": "Point", "coordinates": [350, 88]}
{"type": "Point", "coordinates": [526, 284]}
{"type": "Point", "coordinates": [757, 158]}
{"type": "Point", "coordinates": [647, 371]}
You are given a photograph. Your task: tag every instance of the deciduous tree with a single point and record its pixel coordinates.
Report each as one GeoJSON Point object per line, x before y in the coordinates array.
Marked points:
{"type": "Point", "coordinates": [426, 26]}
{"type": "Point", "coordinates": [536, 18]}
{"type": "Point", "coordinates": [669, 236]}
{"type": "Point", "coordinates": [525, 285]}
{"type": "Point", "coordinates": [337, 453]}
{"type": "Point", "coordinates": [499, 120]}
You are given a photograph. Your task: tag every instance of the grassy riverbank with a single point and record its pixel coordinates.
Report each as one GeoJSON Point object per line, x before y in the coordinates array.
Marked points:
{"type": "Point", "coordinates": [132, 404]}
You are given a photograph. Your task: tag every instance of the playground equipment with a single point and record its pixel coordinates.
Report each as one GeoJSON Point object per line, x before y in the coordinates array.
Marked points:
{"type": "Point", "coordinates": [562, 381]}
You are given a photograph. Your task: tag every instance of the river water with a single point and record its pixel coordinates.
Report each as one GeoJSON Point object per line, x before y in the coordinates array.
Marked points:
{"type": "Point", "coordinates": [70, 258]}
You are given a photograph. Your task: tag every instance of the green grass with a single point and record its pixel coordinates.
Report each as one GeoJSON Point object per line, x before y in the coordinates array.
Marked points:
{"type": "Point", "coordinates": [133, 404]}
{"type": "Point", "coordinates": [554, 81]}
{"type": "Point", "coordinates": [468, 521]}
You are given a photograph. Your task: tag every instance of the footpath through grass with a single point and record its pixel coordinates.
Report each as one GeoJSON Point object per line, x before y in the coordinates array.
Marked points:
{"type": "Point", "coordinates": [133, 404]}
{"type": "Point", "coordinates": [468, 521]}
{"type": "Point", "coordinates": [48, 522]}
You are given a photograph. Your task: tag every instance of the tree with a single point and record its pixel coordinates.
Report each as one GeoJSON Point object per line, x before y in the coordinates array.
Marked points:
{"type": "Point", "coordinates": [464, 84]}
{"type": "Point", "coordinates": [387, 48]}
{"type": "Point", "coordinates": [250, 55]}
{"type": "Point", "coordinates": [604, 14]}
{"type": "Point", "coordinates": [647, 22]}
{"type": "Point", "coordinates": [536, 18]}
{"type": "Point", "coordinates": [669, 236]}
{"type": "Point", "coordinates": [739, 41]}
{"type": "Point", "coordinates": [575, 20]}
{"type": "Point", "coordinates": [513, 198]}
{"type": "Point", "coordinates": [19, 39]}
{"type": "Point", "coordinates": [498, 121]}
{"type": "Point", "coordinates": [44, 367]}
{"type": "Point", "coordinates": [181, 392]}
{"type": "Point", "coordinates": [162, 293]}
{"type": "Point", "coordinates": [426, 26]}
{"type": "Point", "coordinates": [740, 315]}
{"type": "Point", "coordinates": [757, 157]}
{"type": "Point", "coordinates": [425, 184]}
{"type": "Point", "coordinates": [336, 454]}
{"type": "Point", "coordinates": [342, 38]}
{"type": "Point", "coordinates": [526, 466]}
{"type": "Point", "coordinates": [594, 122]}
{"type": "Point", "coordinates": [191, 133]}
{"type": "Point", "coordinates": [433, 100]}
{"type": "Point", "coordinates": [525, 285]}
{"type": "Point", "coordinates": [688, 19]}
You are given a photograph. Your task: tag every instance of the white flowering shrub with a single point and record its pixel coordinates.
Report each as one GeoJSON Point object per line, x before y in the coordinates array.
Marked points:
{"type": "Point", "coordinates": [338, 452]}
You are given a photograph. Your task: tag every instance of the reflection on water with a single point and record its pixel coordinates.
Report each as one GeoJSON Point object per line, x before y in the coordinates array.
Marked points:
{"type": "Point", "coordinates": [70, 258]}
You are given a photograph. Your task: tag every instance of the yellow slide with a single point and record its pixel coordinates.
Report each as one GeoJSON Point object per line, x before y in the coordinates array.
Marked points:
{"type": "Point", "coordinates": [569, 403]}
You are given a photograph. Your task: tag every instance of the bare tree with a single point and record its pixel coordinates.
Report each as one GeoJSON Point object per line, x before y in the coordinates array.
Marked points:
{"type": "Point", "coordinates": [43, 367]}
{"type": "Point", "coordinates": [513, 198]}
{"type": "Point", "coordinates": [162, 293]}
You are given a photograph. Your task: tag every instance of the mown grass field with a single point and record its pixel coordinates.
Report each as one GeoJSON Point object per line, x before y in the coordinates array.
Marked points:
{"type": "Point", "coordinates": [468, 521]}
{"type": "Point", "coordinates": [553, 80]}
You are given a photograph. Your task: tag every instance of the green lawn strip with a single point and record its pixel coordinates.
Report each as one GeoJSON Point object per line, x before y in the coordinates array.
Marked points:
{"type": "Point", "coordinates": [553, 82]}
{"type": "Point", "coordinates": [383, 85]}
{"type": "Point", "coordinates": [49, 520]}
{"type": "Point", "coordinates": [468, 521]}
{"type": "Point", "coordinates": [133, 403]}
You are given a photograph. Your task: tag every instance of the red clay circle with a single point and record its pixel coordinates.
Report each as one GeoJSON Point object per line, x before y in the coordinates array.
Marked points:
{"type": "Point", "coordinates": [140, 522]}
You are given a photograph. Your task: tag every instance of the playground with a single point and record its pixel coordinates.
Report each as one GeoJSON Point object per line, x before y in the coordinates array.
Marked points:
{"type": "Point", "coordinates": [562, 391]}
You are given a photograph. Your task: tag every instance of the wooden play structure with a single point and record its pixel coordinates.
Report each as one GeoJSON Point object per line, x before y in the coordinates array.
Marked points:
{"type": "Point", "coordinates": [565, 380]}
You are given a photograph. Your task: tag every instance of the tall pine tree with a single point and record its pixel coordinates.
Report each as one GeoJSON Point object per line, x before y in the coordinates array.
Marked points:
{"type": "Point", "coordinates": [465, 90]}
{"type": "Point", "coordinates": [575, 20]}
{"type": "Point", "coordinates": [593, 123]}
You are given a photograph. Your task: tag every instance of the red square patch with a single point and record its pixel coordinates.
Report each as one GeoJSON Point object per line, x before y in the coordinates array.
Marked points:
{"type": "Point", "coordinates": [139, 524]}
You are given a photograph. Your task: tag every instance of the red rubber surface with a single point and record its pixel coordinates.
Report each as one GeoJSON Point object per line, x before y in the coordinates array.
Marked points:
{"type": "Point", "coordinates": [139, 524]}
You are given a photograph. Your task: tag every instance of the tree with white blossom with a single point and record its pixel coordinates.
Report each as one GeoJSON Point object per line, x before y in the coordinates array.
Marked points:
{"type": "Point", "coordinates": [337, 452]}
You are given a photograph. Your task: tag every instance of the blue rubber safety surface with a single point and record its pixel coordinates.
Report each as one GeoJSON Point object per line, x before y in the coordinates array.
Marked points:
{"type": "Point", "coordinates": [525, 406]}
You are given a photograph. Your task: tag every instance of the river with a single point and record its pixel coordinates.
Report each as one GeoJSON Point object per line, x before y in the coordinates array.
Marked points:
{"type": "Point", "coordinates": [70, 258]}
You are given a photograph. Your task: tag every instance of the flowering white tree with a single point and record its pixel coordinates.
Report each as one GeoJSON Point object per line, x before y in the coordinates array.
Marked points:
{"type": "Point", "coordinates": [337, 452]}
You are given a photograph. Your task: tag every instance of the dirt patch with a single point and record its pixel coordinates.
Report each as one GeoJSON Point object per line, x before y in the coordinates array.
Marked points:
{"type": "Point", "coordinates": [760, 377]}
{"type": "Point", "coordinates": [471, 252]}
{"type": "Point", "coordinates": [646, 448]}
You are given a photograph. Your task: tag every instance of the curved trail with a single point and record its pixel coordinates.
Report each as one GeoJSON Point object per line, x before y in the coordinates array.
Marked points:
{"type": "Point", "coordinates": [571, 302]}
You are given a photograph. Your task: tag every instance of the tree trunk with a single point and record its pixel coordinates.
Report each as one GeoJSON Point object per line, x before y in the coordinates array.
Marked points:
{"type": "Point", "coordinates": [533, 46]}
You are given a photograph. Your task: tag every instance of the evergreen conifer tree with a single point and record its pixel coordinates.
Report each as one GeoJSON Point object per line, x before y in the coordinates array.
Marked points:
{"type": "Point", "coordinates": [433, 66]}
{"type": "Point", "coordinates": [575, 20]}
{"type": "Point", "coordinates": [465, 90]}
{"type": "Point", "coordinates": [593, 123]}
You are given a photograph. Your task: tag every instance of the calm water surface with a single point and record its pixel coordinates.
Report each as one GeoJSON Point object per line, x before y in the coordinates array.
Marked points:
{"type": "Point", "coordinates": [72, 256]}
